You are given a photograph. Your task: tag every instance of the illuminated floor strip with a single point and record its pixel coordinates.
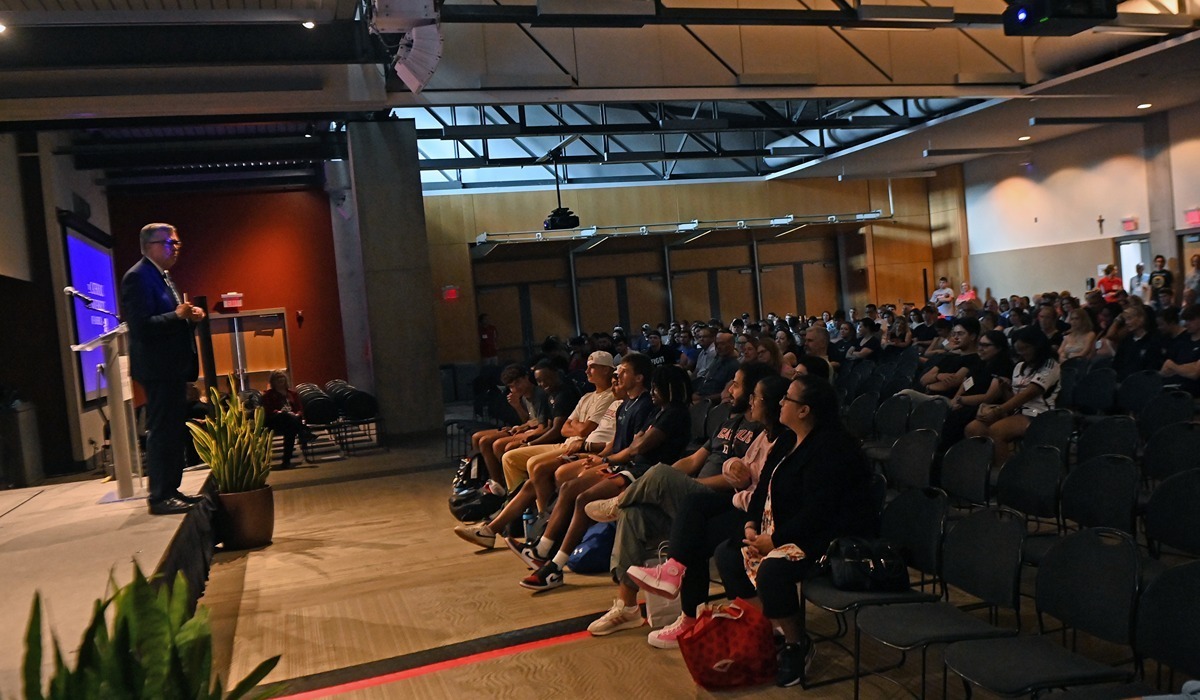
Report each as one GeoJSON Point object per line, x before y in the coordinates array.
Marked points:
{"type": "Point", "coordinates": [324, 685]}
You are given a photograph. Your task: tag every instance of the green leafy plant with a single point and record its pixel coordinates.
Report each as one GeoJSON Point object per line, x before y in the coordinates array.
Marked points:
{"type": "Point", "coordinates": [151, 648]}
{"type": "Point", "coordinates": [235, 445]}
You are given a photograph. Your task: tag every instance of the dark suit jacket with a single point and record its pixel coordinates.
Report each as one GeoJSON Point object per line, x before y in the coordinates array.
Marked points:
{"type": "Point", "coordinates": [161, 345]}
{"type": "Point", "coordinates": [818, 493]}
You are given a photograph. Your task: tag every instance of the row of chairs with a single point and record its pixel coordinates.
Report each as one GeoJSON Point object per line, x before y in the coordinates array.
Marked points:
{"type": "Point", "coordinates": [1089, 580]}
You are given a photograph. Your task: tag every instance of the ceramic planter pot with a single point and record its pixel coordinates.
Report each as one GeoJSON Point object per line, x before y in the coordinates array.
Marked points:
{"type": "Point", "coordinates": [246, 520]}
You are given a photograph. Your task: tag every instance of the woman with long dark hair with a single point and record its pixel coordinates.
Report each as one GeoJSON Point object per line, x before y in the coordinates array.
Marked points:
{"type": "Point", "coordinates": [986, 384]}
{"type": "Point", "coordinates": [811, 492]}
{"type": "Point", "coordinates": [1034, 391]}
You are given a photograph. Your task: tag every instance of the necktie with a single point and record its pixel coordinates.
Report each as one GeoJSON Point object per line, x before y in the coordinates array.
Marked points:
{"type": "Point", "coordinates": [171, 286]}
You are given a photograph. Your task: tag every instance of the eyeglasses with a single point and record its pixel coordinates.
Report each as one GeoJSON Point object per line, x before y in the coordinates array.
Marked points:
{"type": "Point", "coordinates": [170, 243]}
{"type": "Point", "coordinates": [798, 402]}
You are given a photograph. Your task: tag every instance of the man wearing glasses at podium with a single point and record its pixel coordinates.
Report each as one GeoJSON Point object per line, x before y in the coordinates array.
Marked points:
{"type": "Point", "coordinates": [162, 356]}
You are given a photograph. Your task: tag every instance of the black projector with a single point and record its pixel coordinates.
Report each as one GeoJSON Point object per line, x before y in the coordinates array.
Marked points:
{"type": "Point", "coordinates": [561, 218]}
{"type": "Point", "coordinates": [1056, 17]}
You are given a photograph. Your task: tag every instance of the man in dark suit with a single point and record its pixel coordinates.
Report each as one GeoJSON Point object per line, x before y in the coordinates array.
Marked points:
{"type": "Point", "coordinates": [162, 353]}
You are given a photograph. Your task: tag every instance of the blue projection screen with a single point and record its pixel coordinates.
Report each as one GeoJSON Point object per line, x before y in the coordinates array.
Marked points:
{"type": "Point", "coordinates": [90, 268]}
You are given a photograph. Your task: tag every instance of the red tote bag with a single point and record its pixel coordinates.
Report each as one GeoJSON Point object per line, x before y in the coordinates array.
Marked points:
{"type": "Point", "coordinates": [729, 647]}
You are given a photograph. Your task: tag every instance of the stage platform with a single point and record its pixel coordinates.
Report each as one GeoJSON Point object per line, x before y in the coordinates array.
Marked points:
{"type": "Point", "coordinates": [66, 540]}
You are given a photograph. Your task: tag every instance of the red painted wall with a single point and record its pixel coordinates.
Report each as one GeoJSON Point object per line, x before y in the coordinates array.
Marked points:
{"type": "Point", "coordinates": [276, 248]}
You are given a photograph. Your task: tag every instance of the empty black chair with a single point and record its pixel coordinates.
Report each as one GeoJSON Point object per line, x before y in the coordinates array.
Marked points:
{"type": "Point", "coordinates": [1167, 408]}
{"type": "Point", "coordinates": [1138, 389]}
{"type": "Point", "coordinates": [1069, 373]}
{"type": "Point", "coordinates": [1089, 582]}
{"type": "Point", "coordinates": [1100, 492]}
{"type": "Point", "coordinates": [913, 523]}
{"type": "Point", "coordinates": [981, 557]}
{"type": "Point", "coordinates": [860, 417]}
{"type": "Point", "coordinates": [1167, 620]}
{"type": "Point", "coordinates": [1029, 482]}
{"type": "Point", "coordinates": [1172, 449]}
{"type": "Point", "coordinates": [1051, 428]}
{"type": "Point", "coordinates": [1111, 435]}
{"type": "Point", "coordinates": [1170, 518]}
{"type": "Point", "coordinates": [965, 471]}
{"type": "Point", "coordinates": [891, 421]}
{"type": "Point", "coordinates": [1096, 391]}
{"type": "Point", "coordinates": [929, 415]}
{"type": "Point", "coordinates": [910, 462]}
{"type": "Point", "coordinates": [896, 384]}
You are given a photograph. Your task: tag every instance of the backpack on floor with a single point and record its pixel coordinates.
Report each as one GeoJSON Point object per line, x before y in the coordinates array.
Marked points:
{"type": "Point", "coordinates": [470, 499]}
{"type": "Point", "coordinates": [472, 473]}
{"type": "Point", "coordinates": [594, 553]}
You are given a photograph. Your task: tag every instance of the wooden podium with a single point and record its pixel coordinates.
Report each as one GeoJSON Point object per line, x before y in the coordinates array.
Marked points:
{"type": "Point", "coordinates": [127, 458]}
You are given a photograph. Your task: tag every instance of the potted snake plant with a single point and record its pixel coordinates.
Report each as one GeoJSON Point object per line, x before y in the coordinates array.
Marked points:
{"type": "Point", "coordinates": [237, 447]}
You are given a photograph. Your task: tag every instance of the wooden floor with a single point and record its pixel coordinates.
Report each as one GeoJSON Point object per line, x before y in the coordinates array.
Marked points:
{"type": "Point", "coordinates": [365, 568]}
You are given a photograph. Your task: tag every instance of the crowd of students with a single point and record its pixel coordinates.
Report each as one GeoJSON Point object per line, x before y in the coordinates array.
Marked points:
{"type": "Point", "coordinates": [773, 483]}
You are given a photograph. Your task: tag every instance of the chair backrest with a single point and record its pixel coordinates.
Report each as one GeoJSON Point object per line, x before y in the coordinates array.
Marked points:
{"type": "Point", "coordinates": [1168, 617]}
{"type": "Point", "coordinates": [1138, 389]}
{"type": "Point", "coordinates": [910, 463]}
{"type": "Point", "coordinates": [891, 418]}
{"type": "Point", "coordinates": [1102, 492]}
{"type": "Point", "coordinates": [1052, 428]}
{"type": "Point", "coordinates": [699, 412]}
{"type": "Point", "coordinates": [897, 384]}
{"type": "Point", "coordinates": [1112, 435]}
{"type": "Point", "coordinates": [981, 555]}
{"type": "Point", "coordinates": [1172, 449]}
{"type": "Point", "coordinates": [860, 417]}
{"type": "Point", "coordinates": [1069, 373]}
{"type": "Point", "coordinates": [966, 469]}
{"type": "Point", "coordinates": [913, 523]}
{"type": "Point", "coordinates": [1096, 391]}
{"type": "Point", "coordinates": [1089, 581]}
{"type": "Point", "coordinates": [1030, 480]}
{"type": "Point", "coordinates": [1171, 512]}
{"type": "Point", "coordinates": [877, 490]}
{"type": "Point", "coordinates": [929, 415]}
{"type": "Point", "coordinates": [1167, 408]}
{"type": "Point", "coordinates": [716, 416]}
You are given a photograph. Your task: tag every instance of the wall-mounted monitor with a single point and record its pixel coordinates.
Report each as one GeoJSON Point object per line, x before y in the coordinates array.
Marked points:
{"type": "Point", "coordinates": [90, 271]}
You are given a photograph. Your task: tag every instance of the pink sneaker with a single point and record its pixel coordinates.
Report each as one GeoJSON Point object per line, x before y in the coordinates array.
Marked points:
{"type": "Point", "coordinates": [668, 637]}
{"type": "Point", "coordinates": [663, 580]}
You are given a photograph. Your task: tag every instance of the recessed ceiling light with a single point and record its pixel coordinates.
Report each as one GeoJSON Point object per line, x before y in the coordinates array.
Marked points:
{"type": "Point", "coordinates": [1145, 105]}
{"type": "Point", "coordinates": [1022, 138]}
{"type": "Point", "coordinates": [2, 28]}
{"type": "Point", "coordinates": [309, 24]}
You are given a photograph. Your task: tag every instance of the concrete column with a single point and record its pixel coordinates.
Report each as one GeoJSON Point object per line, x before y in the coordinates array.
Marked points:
{"type": "Point", "coordinates": [352, 290]}
{"type": "Point", "coordinates": [396, 277]}
{"type": "Point", "coordinates": [1160, 192]}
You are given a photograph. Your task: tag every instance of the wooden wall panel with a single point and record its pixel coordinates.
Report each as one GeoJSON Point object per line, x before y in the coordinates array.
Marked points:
{"type": "Point", "coordinates": [647, 300]}
{"type": "Point", "coordinates": [778, 290]}
{"type": "Point", "coordinates": [598, 305]}
{"type": "Point", "coordinates": [820, 288]}
{"type": "Point", "coordinates": [709, 258]}
{"type": "Point", "coordinates": [736, 294]}
{"type": "Point", "coordinates": [818, 197]}
{"type": "Point", "coordinates": [896, 284]}
{"type": "Point", "coordinates": [823, 248]}
{"type": "Point", "coordinates": [503, 306]}
{"type": "Point", "coordinates": [550, 305]}
{"type": "Point", "coordinates": [617, 265]}
{"type": "Point", "coordinates": [512, 272]}
{"type": "Point", "coordinates": [690, 291]}
{"type": "Point", "coordinates": [948, 226]}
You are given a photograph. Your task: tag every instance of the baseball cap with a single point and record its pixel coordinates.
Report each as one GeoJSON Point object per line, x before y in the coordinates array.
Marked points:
{"type": "Point", "coordinates": [600, 357]}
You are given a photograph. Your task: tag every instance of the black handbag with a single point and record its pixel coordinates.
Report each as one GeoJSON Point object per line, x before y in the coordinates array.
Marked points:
{"type": "Point", "coordinates": [859, 564]}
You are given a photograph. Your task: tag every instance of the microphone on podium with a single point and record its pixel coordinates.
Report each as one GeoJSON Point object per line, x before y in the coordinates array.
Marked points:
{"type": "Point", "coordinates": [73, 292]}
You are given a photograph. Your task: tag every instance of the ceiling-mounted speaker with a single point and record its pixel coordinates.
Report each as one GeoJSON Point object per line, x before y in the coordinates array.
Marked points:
{"type": "Point", "coordinates": [418, 56]}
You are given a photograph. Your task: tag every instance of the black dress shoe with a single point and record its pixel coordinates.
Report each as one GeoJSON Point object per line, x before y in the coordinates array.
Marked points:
{"type": "Point", "coordinates": [188, 499]}
{"type": "Point", "coordinates": [169, 506]}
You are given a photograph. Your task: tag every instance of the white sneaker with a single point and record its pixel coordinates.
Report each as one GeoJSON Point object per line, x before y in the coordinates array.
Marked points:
{"type": "Point", "coordinates": [668, 637]}
{"type": "Point", "coordinates": [475, 535]}
{"type": "Point", "coordinates": [605, 510]}
{"type": "Point", "coordinates": [616, 619]}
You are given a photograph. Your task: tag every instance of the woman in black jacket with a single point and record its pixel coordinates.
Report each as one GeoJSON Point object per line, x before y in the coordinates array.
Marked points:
{"type": "Point", "coordinates": [817, 490]}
